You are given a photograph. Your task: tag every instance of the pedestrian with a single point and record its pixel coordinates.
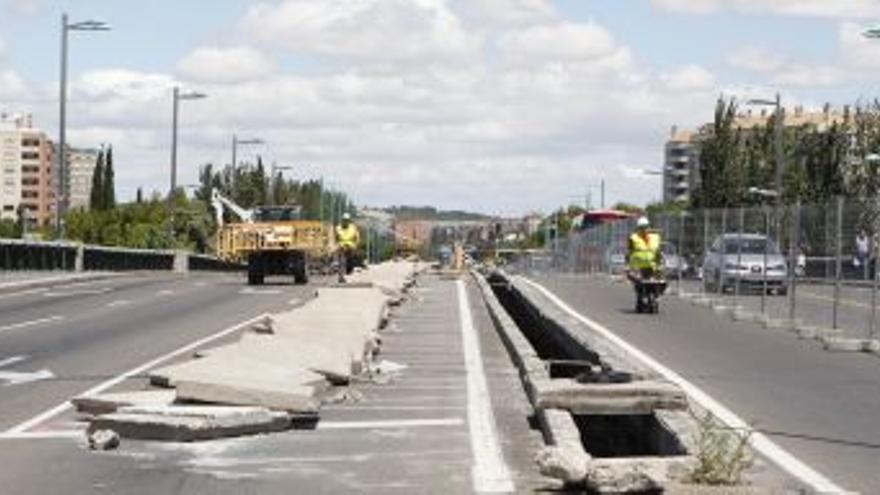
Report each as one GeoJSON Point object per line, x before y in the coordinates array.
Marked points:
{"type": "Point", "coordinates": [863, 245]}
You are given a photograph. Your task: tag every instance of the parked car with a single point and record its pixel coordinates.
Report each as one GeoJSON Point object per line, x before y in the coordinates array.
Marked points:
{"type": "Point", "coordinates": [733, 259]}
{"type": "Point", "coordinates": [615, 260]}
{"type": "Point", "coordinates": [673, 264]}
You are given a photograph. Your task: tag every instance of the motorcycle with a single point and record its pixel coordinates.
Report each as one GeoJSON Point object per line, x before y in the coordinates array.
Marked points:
{"type": "Point", "coordinates": [649, 285]}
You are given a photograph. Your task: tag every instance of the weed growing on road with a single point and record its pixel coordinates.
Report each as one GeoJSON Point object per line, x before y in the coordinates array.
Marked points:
{"type": "Point", "coordinates": [722, 454]}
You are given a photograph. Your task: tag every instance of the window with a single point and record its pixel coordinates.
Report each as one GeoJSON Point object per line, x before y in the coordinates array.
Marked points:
{"type": "Point", "coordinates": [30, 142]}
{"type": "Point", "coordinates": [30, 195]}
{"type": "Point", "coordinates": [30, 155]}
{"type": "Point", "coordinates": [30, 182]}
{"type": "Point", "coordinates": [30, 170]}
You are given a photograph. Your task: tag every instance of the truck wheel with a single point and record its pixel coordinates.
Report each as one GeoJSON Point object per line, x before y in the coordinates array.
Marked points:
{"type": "Point", "coordinates": [255, 279]}
{"type": "Point", "coordinates": [301, 275]}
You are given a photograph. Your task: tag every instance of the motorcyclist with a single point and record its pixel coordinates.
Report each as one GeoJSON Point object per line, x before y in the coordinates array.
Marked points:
{"type": "Point", "coordinates": [643, 250]}
{"type": "Point", "coordinates": [347, 238]}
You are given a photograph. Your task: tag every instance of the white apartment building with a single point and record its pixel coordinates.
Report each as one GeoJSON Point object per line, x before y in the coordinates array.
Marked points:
{"type": "Point", "coordinates": [80, 169]}
{"type": "Point", "coordinates": [25, 171]}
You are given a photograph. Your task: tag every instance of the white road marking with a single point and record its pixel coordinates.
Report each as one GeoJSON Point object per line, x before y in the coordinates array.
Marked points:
{"type": "Point", "coordinates": [10, 361]}
{"type": "Point", "coordinates": [759, 441]}
{"type": "Point", "coordinates": [399, 423]}
{"type": "Point", "coordinates": [166, 292]}
{"type": "Point", "coordinates": [490, 473]}
{"type": "Point", "coordinates": [248, 291]}
{"type": "Point", "coordinates": [294, 301]}
{"type": "Point", "coordinates": [43, 435]}
{"type": "Point", "coordinates": [101, 387]}
{"type": "Point", "coordinates": [31, 323]}
{"type": "Point", "coordinates": [24, 293]}
{"type": "Point", "coordinates": [120, 302]}
{"type": "Point", "coordinates": [85, 292]}
{"type": "Point", "coordinates": [19, 377]}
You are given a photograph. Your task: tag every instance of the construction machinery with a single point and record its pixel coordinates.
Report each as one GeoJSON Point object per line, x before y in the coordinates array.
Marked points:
{"type": "Point", "coordinates": [272, 240]}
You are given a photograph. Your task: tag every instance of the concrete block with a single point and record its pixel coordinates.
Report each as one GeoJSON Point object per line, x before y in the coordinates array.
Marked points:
{"type": "Point", "coordinates": [109, 403]}
{"type": "Point", "coordinates": [568, 466]}
{"type": "Point", "coordinates": [253, 391]}
{"type": "Point", "coordinates": [842, 344]}
{"type": "Point", "coordinates": [190, 423]}
{"type": "Point", "coordinates": [103, 440]}
{"type": "Point", "coordinates": [780, 323]}
{"type": "Point", "coordinates": [742, 314]}
{"type": "Point", "coordinates": [636, 475]}
{"type": "Point", "coordinates": [332, 363]}
{"type": "Point", "coordinates": [872, 346]}
{"type": "Point", "coordinates": [238, 367]}
{"type": "Point", "coordinates": [642, 397]}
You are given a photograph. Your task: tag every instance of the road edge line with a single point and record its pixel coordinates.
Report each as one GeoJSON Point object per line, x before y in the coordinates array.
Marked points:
{"type": "Point", "coordinates": [489, 471]}
{"type": "Point", "coordinates": [26, 425]}
{"type": "Point", "coordinates": [759, 441]}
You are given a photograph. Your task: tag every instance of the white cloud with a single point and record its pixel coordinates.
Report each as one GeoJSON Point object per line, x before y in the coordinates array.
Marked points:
{"type": "Point", "coordinates": [385, 30]}
{"type": "Point", "coordinates": [851, 9]}
{"type": "Point", "coordinates": [226, 65]}
{"type": "Point", "coordinates": [689, 78]}
{"type": "Point", "coordinates": [506, 12]}
{"type": "Point", "coordinates": [562, 41]}
{"type": "Point", "coordinates": [25, 8]}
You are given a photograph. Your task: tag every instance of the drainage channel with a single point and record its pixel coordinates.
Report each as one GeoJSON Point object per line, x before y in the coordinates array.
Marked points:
{"type": "Point", "coordinates": [609, 425]}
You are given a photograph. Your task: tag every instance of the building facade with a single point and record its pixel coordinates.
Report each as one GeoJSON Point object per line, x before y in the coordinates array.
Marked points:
{"type": "Point", "coordinates": [81, 163]}
{"type": "Point", "coordinates": [26, 182]}
{"type": "Point", "coordinates": [681, 166]}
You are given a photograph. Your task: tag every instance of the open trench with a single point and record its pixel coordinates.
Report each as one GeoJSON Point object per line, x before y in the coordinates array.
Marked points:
{"type": "Point", "coordinates": [602, 435]}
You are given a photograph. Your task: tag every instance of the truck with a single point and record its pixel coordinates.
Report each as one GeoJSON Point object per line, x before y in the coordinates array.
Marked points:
{"type": "Point", "coordinates": [271, 240]}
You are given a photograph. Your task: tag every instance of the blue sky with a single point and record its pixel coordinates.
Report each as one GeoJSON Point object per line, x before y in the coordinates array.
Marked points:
{"type": "Point", "coordinates": [502, 106]}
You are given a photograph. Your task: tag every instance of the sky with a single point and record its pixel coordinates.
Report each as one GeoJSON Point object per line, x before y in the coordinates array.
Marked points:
{"type": "Point", "coordinates": [497, 106]}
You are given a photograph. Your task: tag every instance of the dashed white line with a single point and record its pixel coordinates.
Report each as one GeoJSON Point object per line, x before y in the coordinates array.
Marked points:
{"type": "Point", "coordinates": [13, 360]}
{"type": "Point", "coordinates": [489, 472]}
{"type": "Point", "coordinates": [25, 324]}
{"type": "Point", "coordinates": [759, 441]}
{"type": "Point", "coordinates": [120, 302]}
{"type": "Point", "coordinates": [399, 423]}
{"type": "Point", "coordinates": [97, 389]}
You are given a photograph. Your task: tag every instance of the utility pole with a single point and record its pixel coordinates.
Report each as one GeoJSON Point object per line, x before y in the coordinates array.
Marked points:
{"type": "Point", "coordinates": [61, 195]}
{"type": "Point", "coordinates": [603, 193]}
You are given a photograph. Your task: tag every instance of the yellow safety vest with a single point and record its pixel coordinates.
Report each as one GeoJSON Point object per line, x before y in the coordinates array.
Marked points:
{"type": "Point", "coordinates": [643, 255]}
{"type": "Point", "coordinates": [348, 237]}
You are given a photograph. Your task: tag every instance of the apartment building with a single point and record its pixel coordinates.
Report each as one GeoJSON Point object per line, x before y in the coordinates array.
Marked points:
{"type": "Point", "coordinates": [25, 171]}
{"type": "Point", "coordinates": [681, 166]}
{"type": "Point", "coordinates": [81, 163]}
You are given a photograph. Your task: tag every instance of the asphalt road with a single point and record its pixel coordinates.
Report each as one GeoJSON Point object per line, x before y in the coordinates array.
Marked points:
{"type": "Point", "coordinates": [823, 407]}
{"type": "Point", "coordinates": [413, 434]}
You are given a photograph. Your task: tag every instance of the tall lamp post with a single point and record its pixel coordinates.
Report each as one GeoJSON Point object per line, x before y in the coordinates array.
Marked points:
{"type": "Point", "coordinates": [61, 199]}
{"type": "Point", "coordinates": [236, 142]}
{"type": "Point", "coordinates": [178, 97]}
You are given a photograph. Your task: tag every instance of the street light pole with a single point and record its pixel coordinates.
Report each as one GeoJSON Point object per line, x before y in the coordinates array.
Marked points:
{"type": "Point", "coordinates": [235, 143]}
{"type": "Point", "coordinates": [174, 116]}
{"type": "Point", "coordinates": [61, 195]}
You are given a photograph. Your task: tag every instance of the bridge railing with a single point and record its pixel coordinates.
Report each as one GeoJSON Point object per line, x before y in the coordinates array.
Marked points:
{"type": "Point", "coordinates": [21, 255]}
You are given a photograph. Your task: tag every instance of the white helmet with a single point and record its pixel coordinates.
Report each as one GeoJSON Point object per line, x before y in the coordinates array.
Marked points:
{"type": "Point", "coordinates": [346, 216]}
{"type": "Point", "coordinates": [643, 223]}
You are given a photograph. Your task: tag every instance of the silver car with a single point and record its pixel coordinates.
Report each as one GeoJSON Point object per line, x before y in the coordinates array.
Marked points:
{"type": "Point", "coordinates": [735, 259]}
{"type": "Point", "coordinates": [674, 265]}
{"type": "Point", "coordinates": [615, 260]}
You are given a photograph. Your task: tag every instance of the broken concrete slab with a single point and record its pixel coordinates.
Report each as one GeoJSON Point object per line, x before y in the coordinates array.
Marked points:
{"type": "Point", "coordinates": [190, 423]}
{"type": "Point", "coordinates": [242, 368]}
{"type": "Point", "coordinates": [332, 363]}
{"type": "Point", "coordinates": [842, 344]}
{"type": "Point", "coordinates": [640, 397]}
{"type": "Point", "coordinates": [103, 440]}
{"type": "Point", "coordinates": [254, 391]}
{"type": "Point", "coordinates": [636, 475]}
{"type": "Point", "coordinates": [108, 403]}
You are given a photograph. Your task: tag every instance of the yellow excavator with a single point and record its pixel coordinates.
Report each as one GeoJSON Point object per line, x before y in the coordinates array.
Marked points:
{"type": "Point", "coordinates": [272, 240]}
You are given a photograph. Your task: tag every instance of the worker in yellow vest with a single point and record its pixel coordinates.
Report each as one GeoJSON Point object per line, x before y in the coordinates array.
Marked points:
{"type": "Point", "coordinates": [643, 253]}
{"type": "Point", "coordinates": [347, 238]}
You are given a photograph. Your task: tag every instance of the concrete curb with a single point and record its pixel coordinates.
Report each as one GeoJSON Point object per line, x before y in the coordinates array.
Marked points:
{"type": "Point", "coordinates": [50, 281]}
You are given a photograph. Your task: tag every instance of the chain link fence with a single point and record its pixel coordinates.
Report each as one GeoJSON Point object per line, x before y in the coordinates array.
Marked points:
{"type": "Point", "coordinates": [811, 267]}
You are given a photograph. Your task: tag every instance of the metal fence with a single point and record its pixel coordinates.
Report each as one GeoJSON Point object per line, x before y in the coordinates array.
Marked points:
{"type": "Point", "coordinates": [800, 265]}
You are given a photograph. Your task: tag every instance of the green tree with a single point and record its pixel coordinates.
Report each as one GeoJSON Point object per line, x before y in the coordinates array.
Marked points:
{"type": "Point", "coordinates": [108, 188]}
{"type": "Point", "coordinates": [96, 198]}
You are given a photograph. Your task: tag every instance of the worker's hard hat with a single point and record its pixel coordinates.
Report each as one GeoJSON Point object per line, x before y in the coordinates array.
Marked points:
{"type": "Point", "coordinates": [643, 222]}
{"type": "Point", "coordinates": [346, 216]}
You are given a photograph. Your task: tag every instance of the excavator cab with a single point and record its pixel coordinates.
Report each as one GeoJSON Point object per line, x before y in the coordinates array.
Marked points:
{"type": "Point", "coordinates": [286, 213]}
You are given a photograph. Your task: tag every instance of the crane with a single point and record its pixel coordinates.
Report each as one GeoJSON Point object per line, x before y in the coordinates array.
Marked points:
{"type": "Point", "coordinates": [218, 201]}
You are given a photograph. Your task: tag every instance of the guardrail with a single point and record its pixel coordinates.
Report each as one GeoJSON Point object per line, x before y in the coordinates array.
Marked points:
{"type": "Point", "coordinates": [16, 254]}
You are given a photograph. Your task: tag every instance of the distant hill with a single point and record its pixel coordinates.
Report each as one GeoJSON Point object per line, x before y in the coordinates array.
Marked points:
{"type": "Point", "coordinates": [431, 213]}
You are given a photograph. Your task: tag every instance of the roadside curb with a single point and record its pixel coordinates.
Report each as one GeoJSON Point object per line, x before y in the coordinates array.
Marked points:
{"type": "Point", "coordinates": [50, 281]}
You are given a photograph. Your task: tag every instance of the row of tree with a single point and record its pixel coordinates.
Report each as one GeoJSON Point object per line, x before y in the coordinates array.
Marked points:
{"type": "Point", "coordinates": [820, 160]}
{"type": "Point", "coordinates": [103, 195]}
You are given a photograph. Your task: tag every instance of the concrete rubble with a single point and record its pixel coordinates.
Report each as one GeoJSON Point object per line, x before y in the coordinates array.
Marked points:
{"type": "Point", "coordinates": [642, 397]}
{"type": "Point", "coordinates": [279, 372]}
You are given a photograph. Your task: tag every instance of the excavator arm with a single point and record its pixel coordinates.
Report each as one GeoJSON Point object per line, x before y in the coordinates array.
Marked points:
{"type": "Point", "coordinates": [218, 201]}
